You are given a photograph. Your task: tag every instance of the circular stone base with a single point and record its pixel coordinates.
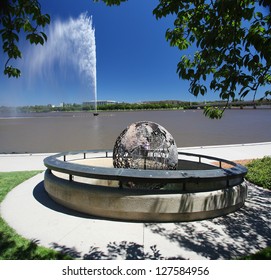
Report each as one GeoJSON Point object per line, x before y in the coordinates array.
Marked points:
{"type": "Point", "coordinates": [141, 205]}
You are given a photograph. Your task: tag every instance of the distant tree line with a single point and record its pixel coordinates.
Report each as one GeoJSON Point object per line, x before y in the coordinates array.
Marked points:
{"type": "Point", "coordinates": [108, 107]}
{"type": "Point", "coordinates": [152, 105]}
{"type": "Point", "coordinates": [50, 108]}
{"type": "Point", "coordinates": [145, 106]}
{"type": "Point", "coordinates": [44, 108]}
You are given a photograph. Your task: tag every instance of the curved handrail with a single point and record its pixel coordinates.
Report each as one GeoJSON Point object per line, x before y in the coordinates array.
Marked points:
{"type": "Point", "coordinates": [139, 175]}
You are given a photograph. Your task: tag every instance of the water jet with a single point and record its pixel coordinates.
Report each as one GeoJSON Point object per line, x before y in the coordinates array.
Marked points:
{"type": "Point", "coordinates": [71, 46]}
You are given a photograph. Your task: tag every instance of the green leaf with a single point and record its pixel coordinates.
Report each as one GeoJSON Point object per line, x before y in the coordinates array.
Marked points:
{"type": "Point", "coordinates": [195, 90]}
{"type": "Point", "coordinates": [213, 112]}
{"type": "Point", "coordinates": [12, 72]}
{"type": "Point", "coordinates": [44, 36]}
{"type": "Point", "coordinates": [17, 18]}
{"type": "Point", "coordinates": [35, 39]}
{"type": "Point", "coordinates": [259, 15]}
{"type": "Point", "coordinates": [16, 52]}
{"type": "Point", "coordinates": [28, 27]}
{"type": "Point", "coordinates": [111, 2]}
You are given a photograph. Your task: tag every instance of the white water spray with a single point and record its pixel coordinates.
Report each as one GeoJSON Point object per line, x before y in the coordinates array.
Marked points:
{"type": "Point", "coordinates": [69, 42]}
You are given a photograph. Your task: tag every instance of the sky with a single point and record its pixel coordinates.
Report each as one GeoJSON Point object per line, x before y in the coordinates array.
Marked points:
{"type": "Point", "coordinates": [134, 62]}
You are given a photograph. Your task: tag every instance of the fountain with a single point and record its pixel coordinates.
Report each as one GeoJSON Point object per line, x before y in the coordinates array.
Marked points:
{"type": "Point", "coordinates": [71, 45]}
{"type": "Point", "coordinates": [145, 178]}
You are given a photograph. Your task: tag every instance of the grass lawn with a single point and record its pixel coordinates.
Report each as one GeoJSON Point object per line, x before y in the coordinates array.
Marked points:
{"type": "Point", "coordinates": [259, 172]}
{"type": "Point", "coordinates": [12, 245]}
{"type": "Point", "coordinates": [15, 247]}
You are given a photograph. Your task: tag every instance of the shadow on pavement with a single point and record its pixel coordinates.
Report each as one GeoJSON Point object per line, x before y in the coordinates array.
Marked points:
{"type": "Point", "coordinates": [231, 236]}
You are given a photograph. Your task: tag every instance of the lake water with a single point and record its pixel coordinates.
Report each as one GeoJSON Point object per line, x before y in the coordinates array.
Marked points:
{"type": "Point", "coordinates": [56, 132]}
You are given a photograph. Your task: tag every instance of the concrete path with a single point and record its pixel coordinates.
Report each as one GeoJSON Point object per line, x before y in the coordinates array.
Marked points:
{"type": "Point", "coordinates": [29, 210]}
{"type": "Point", "coordinates": [21, 162]}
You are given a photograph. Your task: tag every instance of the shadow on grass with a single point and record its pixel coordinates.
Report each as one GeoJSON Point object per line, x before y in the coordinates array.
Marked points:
{"type": "Point", "coordinates": [26, 250]}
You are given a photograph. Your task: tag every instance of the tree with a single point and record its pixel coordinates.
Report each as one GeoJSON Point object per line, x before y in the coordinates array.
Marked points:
{"type": "Point", "coordinates": [18, 16]}
{"type": "Point", "coordinates": [231, 41]}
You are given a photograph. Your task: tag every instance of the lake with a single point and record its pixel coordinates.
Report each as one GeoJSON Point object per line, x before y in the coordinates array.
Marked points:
{"type": "Point", "coordinates": [56, 132]}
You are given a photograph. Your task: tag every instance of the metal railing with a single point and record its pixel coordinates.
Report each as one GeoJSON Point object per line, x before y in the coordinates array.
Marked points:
{"type": "Point", "coordinates": [66, 163]}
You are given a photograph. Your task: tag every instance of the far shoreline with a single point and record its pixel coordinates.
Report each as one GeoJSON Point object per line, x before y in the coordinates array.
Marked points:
{"type": "Point", "coordinates": [33, 114]}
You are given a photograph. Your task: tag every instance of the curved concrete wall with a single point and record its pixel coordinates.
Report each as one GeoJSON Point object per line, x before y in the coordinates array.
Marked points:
{"type": "Point", "coordinates": [141, 205]}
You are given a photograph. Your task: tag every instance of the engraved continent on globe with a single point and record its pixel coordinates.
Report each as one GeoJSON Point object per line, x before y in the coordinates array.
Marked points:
{"type": "Point", "coordinates": [145, 145]}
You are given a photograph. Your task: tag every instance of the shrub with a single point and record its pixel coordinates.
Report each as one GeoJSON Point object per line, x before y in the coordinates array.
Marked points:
{"type": "Point", "coordinates": [259, 172]}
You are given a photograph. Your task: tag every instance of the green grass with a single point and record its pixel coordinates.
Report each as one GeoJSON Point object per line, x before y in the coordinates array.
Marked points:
{"type": "Point", "coordinates": [12, 245]}
{"type": "Point", "coordinates": [264, 254]}
{"type": "Point", "coordinates": [9, 180]}
{"type": "Point", "coordinates": [259, 172]}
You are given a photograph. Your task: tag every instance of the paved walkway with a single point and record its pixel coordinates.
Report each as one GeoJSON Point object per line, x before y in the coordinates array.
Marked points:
{"type": "Point", "coordinates": [21, 162]}
{"type": "Point", "coordinates": [29, 210]}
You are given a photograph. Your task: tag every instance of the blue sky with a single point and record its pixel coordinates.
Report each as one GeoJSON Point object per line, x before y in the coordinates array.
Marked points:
{"type": "Point", "coordinates": [134, 61]}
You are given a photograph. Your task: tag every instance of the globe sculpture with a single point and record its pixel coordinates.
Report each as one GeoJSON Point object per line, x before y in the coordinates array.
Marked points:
{"type": "Point", "coordinates": [145, 145]}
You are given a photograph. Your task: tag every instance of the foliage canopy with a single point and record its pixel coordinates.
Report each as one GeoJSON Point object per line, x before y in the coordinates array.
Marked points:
{"type": "Point", "coordinates": [230, 41]}
{"type": "Point", "coordinates": [17, 16]}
